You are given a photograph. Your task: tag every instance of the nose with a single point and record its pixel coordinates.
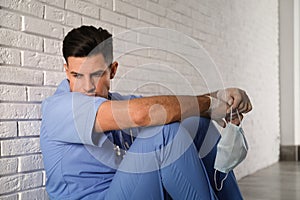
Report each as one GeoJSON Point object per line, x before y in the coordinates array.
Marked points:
{"type": "Point", "coordinates": [89, 85]}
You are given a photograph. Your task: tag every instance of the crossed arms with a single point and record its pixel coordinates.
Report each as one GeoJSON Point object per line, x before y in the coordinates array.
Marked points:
{"type": "Point", "coordinates": [159, 110]}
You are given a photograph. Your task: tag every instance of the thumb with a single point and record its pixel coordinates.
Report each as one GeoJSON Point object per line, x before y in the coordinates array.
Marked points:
{"type": "Point", "coordinates": [221, 122]}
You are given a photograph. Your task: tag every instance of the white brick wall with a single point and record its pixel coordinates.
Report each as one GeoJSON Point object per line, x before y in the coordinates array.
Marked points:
{"type": "Point", "coordinates": [240, 36]}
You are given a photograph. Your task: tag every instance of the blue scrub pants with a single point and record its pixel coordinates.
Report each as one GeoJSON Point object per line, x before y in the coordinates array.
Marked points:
{"type": "Point", "coordinates": [164, 160]}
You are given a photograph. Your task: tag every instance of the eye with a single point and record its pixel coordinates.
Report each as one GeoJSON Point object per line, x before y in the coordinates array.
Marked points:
{"type": "Point", "coordinates": [98, 74]}
{"type": "Point", "coordinates": [77, 76]}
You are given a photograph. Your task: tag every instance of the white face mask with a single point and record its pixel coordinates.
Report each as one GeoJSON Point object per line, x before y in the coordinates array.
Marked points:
{"type": "Point", "coordinates": [231, 150]}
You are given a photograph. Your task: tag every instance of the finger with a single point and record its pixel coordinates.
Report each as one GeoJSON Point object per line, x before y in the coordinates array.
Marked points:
{"type": "Point", "coordinates": [247, 108]}
{"type": "Point", "coordinates": [236, 121]}
{"type": "Point", "coordinates": [242, 106]}
{"type": "Point", "coordinates": [221, 122]}
{"type": "Point", "coordinates": [234, 117]}
{"type": "Point", "coordinates": [230, 101]}
{"type": "Point", "coordinates": [237, 101]}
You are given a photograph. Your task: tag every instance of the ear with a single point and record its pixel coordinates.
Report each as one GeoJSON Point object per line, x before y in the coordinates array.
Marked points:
{"type": "Point", "coordinates": [113, 69]}
{"type": "Point", "coordinates": [67, 71]}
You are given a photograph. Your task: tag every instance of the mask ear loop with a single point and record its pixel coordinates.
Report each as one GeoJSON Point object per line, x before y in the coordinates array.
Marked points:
{"type": "Point", "coordinates": [238, 114]}
{"type": "Point", "coordinates": [222, 181]}
{"type": "Point", "coordinates": [215, 173]}
{"type": "Point", "coordinates": [230, 114]}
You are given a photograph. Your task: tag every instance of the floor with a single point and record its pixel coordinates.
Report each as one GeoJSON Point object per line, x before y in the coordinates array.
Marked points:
{"type": "Point", "coordinates": [280, 181]}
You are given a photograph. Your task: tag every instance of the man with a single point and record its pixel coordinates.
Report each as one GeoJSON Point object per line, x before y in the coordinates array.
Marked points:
{"type": "Point", "coordinates": [100, 145]}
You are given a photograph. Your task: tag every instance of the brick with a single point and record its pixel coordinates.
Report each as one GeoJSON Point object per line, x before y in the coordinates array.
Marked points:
{"type": "Point", "coordinates": [54, 78]}
{"type": "Point", "coordinates": [197, 16]}
{"type": "Point", "coordinates": [42, 27]}
{"type": "Point", "coordinates": [20, 146]}
{"type": "Point", "coordinates": [184, 29]}
{"type": "Point", "coordinates": [108, 4]}
{"type": "Point", "coordinates": [186, 21]}
{"type": "Point", "coordinates": [147, 40]}
{"type": "Point", "coordinates": [58, 3]}
{"type": "Point", "coordinates": [124, 35]}
{"type": "Point", "coordinates": [43, 61]}
{"type": "Point", "coordinates": [31, 180]}
{"type": "Point", "coordinates": [167, 23]}
{"type": "Point", "coordinates": [39, 93]}
{"type": "Point", "coordinates": [37, 194]}
{"type": "Point", "coordinates": [136, 3]}
{"type": "Point", "coordinates": [134, 23]}
{"type": "Point", "coordinates": [27, 6]}
{"type": "Point", "coordinates": [148, 17]}
{"type": "Point", "coordinates": [20, 76]}
{"type": "Point", "coordinates": [181, 8]}
{"type": "Point", "coordinates": [157, 54]}
{"type": "Point", "coordinates": [137, 50]}
{"type": "Point", "coordinates": [54, 14]}
{"type": "Point", "coordinates": [29, 128]}
{"type": "Point", "coordinates": [30, 163]}
{"type": "Point", "coordinates": [125, 9]}
{"type": "Point", "coordinates": [20, 111]}
{"type": "Point", "coordinates": [10, 20]}
{"type": "Point", "coordinates": [82, 7]}
{"type": "Point", "coordinates": [9, 183]}
{"type": "Point", "coordinates": [155, 8]}
{"type": "Point", "coordinates": [130, 60]}
{"type": "Point", "coordinates": [175, 16]}
{"type": "Point", "coordinates": [9, 197]}
{"type": "Point", "coordinates": [12, 93]}
{"type": "Point", "coordinates": [53, 46]}
{"type": "Point", "coordinates": [199, 35]}
{"type": "Point", "coordinates": [112, 17]}
{"type": "Point", "coordinates": [8, 166]}
{"type": "Point", "coordinates": [73, 19]}
{"type": "Point", "coordinates": [200, 8]}
{"type": "Point", "coordinates": [21, 40]}
{"type": "Point", "coordinates": [8, 129]}
{"type": "Point", "coordinates": [118, 30]}
{"type": "Point", "coordinates": [9, 56]}
{"type": "Point", "coordinates": [20, 182]}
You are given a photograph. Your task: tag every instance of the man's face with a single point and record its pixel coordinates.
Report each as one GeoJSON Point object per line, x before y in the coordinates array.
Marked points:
{"type": "Point", "coordinates": [90, 75]}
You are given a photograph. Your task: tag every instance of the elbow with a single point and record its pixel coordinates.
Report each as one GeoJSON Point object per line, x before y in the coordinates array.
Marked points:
{"type": "Point", "coordinates": [141, 118]}
{"type": "Point", "coordinates": [151, 116]}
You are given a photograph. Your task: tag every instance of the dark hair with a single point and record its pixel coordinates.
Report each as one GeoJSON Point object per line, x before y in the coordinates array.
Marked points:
{"type": "Point", "coordinates": [86, 41]}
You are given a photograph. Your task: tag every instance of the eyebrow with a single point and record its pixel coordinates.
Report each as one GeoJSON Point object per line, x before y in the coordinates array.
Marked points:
{"type": "Point", "coordinates": [94, 73]}
{"type": "Point", "coordinates": [75, 73]}
{"type": "Point", "coordinates": [97, 72]}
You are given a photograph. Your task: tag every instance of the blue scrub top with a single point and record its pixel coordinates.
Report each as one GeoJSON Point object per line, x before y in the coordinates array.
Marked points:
{"type": "Point", "coordinates": [72, 152]}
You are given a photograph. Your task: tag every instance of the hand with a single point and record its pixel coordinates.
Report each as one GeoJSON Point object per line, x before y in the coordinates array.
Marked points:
{"type": "Point", "coordinates": [235, 98]}
{"type": "Point", "coordinates": [217, 110]}
{"type": "Point", "coordinates": [223, 100]}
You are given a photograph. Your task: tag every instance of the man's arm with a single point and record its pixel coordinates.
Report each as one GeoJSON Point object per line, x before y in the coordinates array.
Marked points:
{"type": "Point", "coordinates": [158, 110]}
{"type": "Point", "coordinates": [149, 111]}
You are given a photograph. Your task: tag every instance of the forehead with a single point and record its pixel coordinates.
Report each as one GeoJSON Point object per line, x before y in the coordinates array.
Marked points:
{"type": "Point", "coordinates": [86, 64]}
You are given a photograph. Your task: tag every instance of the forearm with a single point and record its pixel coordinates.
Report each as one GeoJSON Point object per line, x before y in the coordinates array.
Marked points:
{"type": "Point", "coordinates": [166, 109]}
{"type": "Point", "coordinates": [149, 111]}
